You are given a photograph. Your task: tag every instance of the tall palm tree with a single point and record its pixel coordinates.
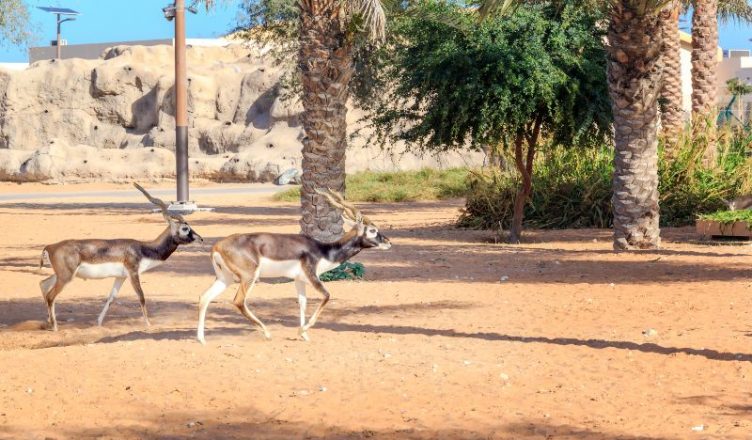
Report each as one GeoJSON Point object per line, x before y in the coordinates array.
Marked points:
{"type": "Point", "coordinates": [704, 69]}
{"type": "Point", "coordinates": [634, 79]}
{"type": "Point", "coordinates": [673, 118]}
{"type": "Point", "coordinates": [705, 60]}
{"type": "Point", "coordinates": [328, 30]}
{"type": "Point", "coordinates": [672, 112]}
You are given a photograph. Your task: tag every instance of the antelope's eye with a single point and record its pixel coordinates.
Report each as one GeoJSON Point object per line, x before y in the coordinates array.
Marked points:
{"type": "Point", "coordinates": [185, 229]}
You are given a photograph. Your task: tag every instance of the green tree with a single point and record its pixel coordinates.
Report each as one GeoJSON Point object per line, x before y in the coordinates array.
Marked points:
{"type": "Point", "coordinates": [14, 19]}
{"type": "Point", "coordinates": [537, 74]}
{"type": "Point", "coordinates": [635, 44]}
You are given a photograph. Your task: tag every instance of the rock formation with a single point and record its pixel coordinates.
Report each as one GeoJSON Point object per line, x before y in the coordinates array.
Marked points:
{"type": "Point", "coordinates": [113, 119]}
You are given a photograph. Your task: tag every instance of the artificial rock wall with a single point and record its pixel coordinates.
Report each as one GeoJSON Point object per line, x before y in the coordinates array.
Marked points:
{"type": "Point", "coordinates": [113, 119]}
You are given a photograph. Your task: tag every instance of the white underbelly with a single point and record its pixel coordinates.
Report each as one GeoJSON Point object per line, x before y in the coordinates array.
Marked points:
{"type": "Point", "coordinates": [93, 271]}
{"type": "Point", "coordinates": [291, 268]}
{"type": "Point", "coordinates": [276, 269]}
{"type": "Point", "coordinates": [147, 264]}
{"type": "Point", "coordinates": [101, 270]}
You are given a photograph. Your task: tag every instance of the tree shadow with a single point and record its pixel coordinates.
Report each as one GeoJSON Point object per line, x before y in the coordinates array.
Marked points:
{"type": "Point", "coordinates": [598, 344]}
{"type": "Point", "coordinates": [721, 403]}
{"type": "Point", "coordinates": [249, 422]}
{"type": "Point", "coordinates": [171, 319]}
{"type": "Point", "coordinates": [283, 312]}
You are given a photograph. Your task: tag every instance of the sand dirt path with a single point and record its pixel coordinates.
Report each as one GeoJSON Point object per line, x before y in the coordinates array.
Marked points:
{"type": "Point", "coordinates": [431, 345]}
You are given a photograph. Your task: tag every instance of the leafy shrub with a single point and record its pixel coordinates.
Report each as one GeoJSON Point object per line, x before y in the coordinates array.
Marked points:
{"type": "Point", "coordinates": [572, 187]}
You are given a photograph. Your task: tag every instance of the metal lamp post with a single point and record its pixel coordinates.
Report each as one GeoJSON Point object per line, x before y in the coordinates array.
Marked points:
{"type": "Point", "coordinates": [176, 12]}
{"type": "Point", "coordinates": [69, 15]}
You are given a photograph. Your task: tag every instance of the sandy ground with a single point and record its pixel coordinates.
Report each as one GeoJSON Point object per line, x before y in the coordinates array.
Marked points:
{"type": "Point", "coordinates": [431, 345]}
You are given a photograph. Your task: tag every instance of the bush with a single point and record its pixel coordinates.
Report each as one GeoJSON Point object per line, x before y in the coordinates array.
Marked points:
{"type": "Point", "coordinates": [572, 187]}
{"type": "Point", "coordinates": [401, 186]}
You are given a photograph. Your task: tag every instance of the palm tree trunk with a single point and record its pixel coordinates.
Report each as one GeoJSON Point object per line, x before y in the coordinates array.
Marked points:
{"type": "Point", "coordinates": [672, 115]}
{"type": "Point", "coordinates": [325, 63]}
{"type": "Point", "coordinates": [634, 80]}
{"type": "Point", "coordinates": [704, 68]}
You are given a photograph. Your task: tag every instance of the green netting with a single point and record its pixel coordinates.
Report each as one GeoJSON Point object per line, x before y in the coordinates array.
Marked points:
{"type": "Point", "coordinates": [345, 271]}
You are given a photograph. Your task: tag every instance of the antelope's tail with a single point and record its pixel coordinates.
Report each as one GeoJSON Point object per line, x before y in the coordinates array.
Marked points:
{"type": "Point", "coordinates": [44, 258]}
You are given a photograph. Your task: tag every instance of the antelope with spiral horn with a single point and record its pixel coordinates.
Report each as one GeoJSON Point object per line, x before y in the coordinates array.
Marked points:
{"type": "Point", "coordinates": [119, 259]}
{"type": "Point", "coordinates": [244, 258]}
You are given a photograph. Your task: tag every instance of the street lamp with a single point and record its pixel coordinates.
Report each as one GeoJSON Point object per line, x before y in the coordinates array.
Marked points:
{"type": "Point", "coordinates": [69, 15]}
{"type": "Point", "coordinates": [176, 12]}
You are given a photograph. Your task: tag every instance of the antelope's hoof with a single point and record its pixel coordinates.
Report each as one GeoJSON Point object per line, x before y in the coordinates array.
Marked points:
{"type": "Point", "coordinates": [202, 341]}
{"type": "Point", "coordinates": [267, 336]}
{"type": "Point", "coordinates": [303, 333]}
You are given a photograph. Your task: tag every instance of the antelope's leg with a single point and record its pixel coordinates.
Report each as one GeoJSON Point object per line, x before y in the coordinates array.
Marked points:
{"type": "Point", "coordinates": [310, 273]}
{"type": "Point", "coordinates": [302, 302]}
{"type": "Point", "coordinates": [50, 297]}
{"type": "Point", "coordinates": [240, 301]}
{"type": "Point", "coordinates": [206, 298]}
{"type": "Point", "coordinates": [46, 285]}
{"type": "Point", "coordinates": [113, 293]}
{"type": "Point", "coordinates": [136, 283]}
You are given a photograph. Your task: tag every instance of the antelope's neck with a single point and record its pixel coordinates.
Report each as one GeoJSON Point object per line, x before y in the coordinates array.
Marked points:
{"type": "Point", "coordinates": [162, 247]}
{"type": "Point", "coordinates": [345, 248]}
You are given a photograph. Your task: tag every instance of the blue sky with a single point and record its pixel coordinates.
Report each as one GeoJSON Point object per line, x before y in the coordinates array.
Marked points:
{"type": "Point", "coordinates": [123, 20]}
{"type": "Point", "coordinates": [119, 20]}
{"type": "Point", "coordinates": [735, 36]}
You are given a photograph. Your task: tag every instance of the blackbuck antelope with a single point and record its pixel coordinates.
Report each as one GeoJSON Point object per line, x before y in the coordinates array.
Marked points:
{"type": "Point", "coordinates": [245, 258]}
{"type": "Point", "coordinates": [121, 259]}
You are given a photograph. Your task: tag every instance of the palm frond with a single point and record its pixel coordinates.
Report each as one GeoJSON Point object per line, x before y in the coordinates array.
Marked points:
{"type": "Point", "coordinates": [372, 15]}
{"type": "Point", "coordinates": [734, 10]}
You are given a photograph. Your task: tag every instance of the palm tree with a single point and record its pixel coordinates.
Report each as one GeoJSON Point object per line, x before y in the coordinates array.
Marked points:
{"type": "Point", "coordinates": [737, 88]}
{"type": "Point", "coordinates": [672, 117]}
{"type": "Point", "coordinates": [704, 68]}
{"type": "Point", "coordinates": [328, 32]}
{"type": "Point", "coordinates": [634, 78]}
{"type": "Point", "coordinates": [325, 62]}
{"type": "Point", "coordinates": [672, 112]}
{"type": "Point", "coordinates": [705, 60]}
